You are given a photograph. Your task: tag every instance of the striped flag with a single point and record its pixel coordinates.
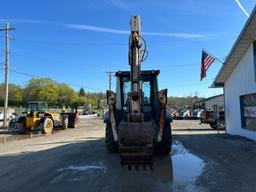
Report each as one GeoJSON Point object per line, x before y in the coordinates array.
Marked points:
{"type": "Point", "coordinates": [206, 62]}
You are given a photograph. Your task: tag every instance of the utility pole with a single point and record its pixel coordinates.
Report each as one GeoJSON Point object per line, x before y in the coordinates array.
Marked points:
{"type": "Point", "coordinates": [110, 74]}
{"type": "Point", "coordinates": [6, 29]}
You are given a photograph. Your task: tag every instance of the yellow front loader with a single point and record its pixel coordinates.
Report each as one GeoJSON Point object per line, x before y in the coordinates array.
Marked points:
{"type": "Point", "coordinates": [38, 117]}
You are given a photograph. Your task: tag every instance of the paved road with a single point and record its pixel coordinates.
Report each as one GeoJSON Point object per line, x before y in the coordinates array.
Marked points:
{"type": "Point", "coordinates": [76, 160]}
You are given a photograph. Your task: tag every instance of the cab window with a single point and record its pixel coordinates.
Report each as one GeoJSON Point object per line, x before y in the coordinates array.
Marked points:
{"type": "Point", "coordinates": [42, 107]}
{"type": "Point", "coordinates": [32, 107]}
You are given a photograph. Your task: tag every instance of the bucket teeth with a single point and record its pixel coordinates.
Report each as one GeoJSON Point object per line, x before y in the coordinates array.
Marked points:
{"type": "Point", "coordinates": [136, 160]}
{"type": "Point", "coordinates": [137, 167]}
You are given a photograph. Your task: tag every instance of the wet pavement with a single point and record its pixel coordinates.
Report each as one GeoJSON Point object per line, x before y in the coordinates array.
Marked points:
{"type": "Point", "coordinates": [176, 172]}
{"type": "Point", "coordinates": [76, 160]}
{"type": "Point", "coordinates": [9, 136]}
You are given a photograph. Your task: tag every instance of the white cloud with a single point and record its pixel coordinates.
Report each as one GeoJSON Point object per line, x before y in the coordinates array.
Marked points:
{"type": "Point", "coordinates": [242, 8]}
{"type": "Point", "coordinates": [96, 29]}
{"type": "Point", "coordinates": [178, 35]}
{"type": "Point", "coordinates": [117, 31]}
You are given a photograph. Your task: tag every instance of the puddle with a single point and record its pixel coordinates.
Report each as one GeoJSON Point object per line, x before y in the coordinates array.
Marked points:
{"type": "Point", "coordinates": [186, 168]}
{"type": "Point", "coordinates": [85, 168]}
{"type": "Point", "coordinates": [179, 171]}
{"type": "Point", "coordinates": [9, 138]}
{"type": "Point", "coordinates": [13, 136]}
{"type": "Point", "coordinates": [74, 173]}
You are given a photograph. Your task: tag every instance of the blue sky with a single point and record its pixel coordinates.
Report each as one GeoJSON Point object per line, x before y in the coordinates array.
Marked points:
{"type": "Point", "coordinates": [77, 41]}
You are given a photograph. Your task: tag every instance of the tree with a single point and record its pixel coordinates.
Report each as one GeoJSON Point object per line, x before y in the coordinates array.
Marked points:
{"type": "Point", "coordinates": [15, 93]}
{"type": "Point", "coordinates": [81, 92]}
{"type": "Point", "coordinates": [41, 89]}
{"type": "Point", "coordinates": [66, 95]}
{"type": "Point", "coordinates": [46, 89]}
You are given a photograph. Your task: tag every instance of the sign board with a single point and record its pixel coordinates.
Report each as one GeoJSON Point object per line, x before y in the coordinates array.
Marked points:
{"type": "Point", "coordinates": [250, 111]}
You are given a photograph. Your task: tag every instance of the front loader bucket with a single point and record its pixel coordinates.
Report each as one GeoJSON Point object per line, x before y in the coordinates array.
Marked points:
{"type": "Point", "coordinates": [136, 143]}
{"type": "Point", "coordinates": [73, 119]}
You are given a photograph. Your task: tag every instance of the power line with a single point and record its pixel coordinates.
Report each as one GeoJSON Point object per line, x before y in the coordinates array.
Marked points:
{"type": "Point", "coordinates": [36, 76]}
{"type": "Point", "coordinates": [181, 83]}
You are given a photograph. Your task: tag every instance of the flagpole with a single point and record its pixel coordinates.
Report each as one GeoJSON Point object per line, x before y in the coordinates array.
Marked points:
{"type": "Point", "coordinates": [213, 56]}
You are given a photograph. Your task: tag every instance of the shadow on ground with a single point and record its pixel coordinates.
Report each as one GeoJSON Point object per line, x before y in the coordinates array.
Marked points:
{"type": "Point", "coordinates": [207, 162]}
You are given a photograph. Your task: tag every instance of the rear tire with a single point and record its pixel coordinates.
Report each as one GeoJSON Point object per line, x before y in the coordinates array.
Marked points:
{"type": "Point", "coordinates": [221, 124]}
{"type": "Point", "coordinates": [213, 125]}
{"type": "Point", "coordinates": [164, 147]}
{"type": "Point", "coordinates": [111, 144]}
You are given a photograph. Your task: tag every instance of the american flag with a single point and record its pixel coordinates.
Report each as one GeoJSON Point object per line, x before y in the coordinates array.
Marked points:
{"type": "Point", "coordinates": [206, 62]}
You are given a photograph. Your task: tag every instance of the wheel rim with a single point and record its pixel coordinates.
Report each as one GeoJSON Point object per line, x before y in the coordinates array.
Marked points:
{"type": "Point", "coordinates": [48, 126]}
{"type": "Point", "coordinates": [221, 125]}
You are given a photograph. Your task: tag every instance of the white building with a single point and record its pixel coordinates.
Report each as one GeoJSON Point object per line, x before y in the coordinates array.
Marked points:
{"type": "Point", "coordinates": [209, 102]}
{"type": "Point", "coordinates": [238, 78]}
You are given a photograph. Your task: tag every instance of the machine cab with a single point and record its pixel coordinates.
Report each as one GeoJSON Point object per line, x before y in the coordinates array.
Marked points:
{"type": "Point", "coordinates": [149, 89]}
{"type": "Point", "coordinates": [37, 106]}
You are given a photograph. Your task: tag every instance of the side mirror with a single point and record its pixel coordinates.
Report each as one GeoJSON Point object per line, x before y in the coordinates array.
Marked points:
{"type": "Point", "coordinates": [162, 96]}
{"type": "Point", "coordinates": [111, 98]}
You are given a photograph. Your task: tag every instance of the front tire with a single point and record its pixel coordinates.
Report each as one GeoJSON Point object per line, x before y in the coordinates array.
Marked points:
{"type": "Point", "coordinates": [111, 144]}
{"type": "Point", "coordinates": [46, 126]}
{"type": "Point", "coordinates": [165, 145]}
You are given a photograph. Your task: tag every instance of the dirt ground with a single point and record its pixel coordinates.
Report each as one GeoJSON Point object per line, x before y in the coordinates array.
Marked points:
{"type": "Point", "coordinates": [76, 160]}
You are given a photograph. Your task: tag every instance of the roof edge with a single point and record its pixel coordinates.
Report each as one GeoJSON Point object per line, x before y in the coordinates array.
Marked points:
{"type": "Point", "coordinates": [235, 45]}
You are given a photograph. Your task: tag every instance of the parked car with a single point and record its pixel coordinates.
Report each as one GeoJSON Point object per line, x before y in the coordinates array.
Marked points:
{"type": "Point", "coordinates": [80, 110]}
{"type": "Point", "coordinates": [199, 113]}
{"type": "Point", "coordinates": [207, 117]}
{"type": "Point", "coordinates": [89, 112]}
{"type": "Point", "coordinates": [10, 117]}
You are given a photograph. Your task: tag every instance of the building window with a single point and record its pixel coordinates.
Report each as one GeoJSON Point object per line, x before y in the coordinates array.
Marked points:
{"type": "Point", "coordinates": [248, 111]}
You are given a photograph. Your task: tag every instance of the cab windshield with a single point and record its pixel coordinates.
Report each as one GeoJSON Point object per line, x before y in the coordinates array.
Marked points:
{"type": "Point", "coordinates": [32, 107]}
{"type": "Point", "coordinates": [145, 87]}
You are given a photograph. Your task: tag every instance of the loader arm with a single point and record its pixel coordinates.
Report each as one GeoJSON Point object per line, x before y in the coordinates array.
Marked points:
{"type": "Point", "coordinates": [135, 97]}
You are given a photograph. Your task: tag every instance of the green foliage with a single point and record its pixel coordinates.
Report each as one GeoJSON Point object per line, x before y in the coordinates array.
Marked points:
{"type": "Point", "coordinates": [42, 89]}
{"type": "Point", "coordinates": [45, 89]}
{"type": "Point", "coordinates": [15, 94]}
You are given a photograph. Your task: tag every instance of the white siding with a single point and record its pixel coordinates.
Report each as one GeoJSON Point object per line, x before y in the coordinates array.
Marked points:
{"type": "Point", "coordinates": [215, 101]}
{"type": "Point", "coordinates": [240, 82]}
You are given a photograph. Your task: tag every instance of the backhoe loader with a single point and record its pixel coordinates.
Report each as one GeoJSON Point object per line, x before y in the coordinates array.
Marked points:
{"type": "Point", "coordinates": [137, 123]}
